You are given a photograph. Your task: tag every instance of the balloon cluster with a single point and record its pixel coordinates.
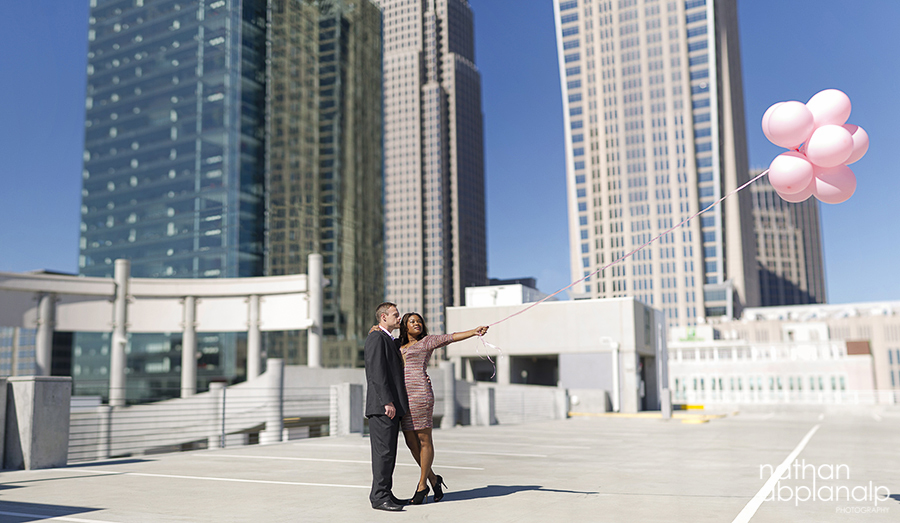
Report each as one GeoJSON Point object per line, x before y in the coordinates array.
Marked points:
{"type": "Point", "coordinates": [822, 145]}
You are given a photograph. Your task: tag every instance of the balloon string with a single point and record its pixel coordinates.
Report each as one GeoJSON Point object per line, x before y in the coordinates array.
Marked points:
{"type": "Point", "coordinates": [488, 356]}
{"type": "Point", "coordinates": [623, 258]}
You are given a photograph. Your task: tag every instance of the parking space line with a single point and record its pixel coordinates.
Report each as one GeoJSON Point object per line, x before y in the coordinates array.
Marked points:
{"type": "Point", "coordinates": [234, 480]}
{"type": "Point", "coordinates": [441, 449]}
{"type": "Point", "coordinates": [751, 507]}
{"type": "Point", "coordinates": [491, 453]}
{"type": "Point", "coordinates": [362, 462]}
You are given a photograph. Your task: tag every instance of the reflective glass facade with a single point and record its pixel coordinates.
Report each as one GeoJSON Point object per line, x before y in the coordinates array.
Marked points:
{"type": "Point", "coordinates": [173, 168]}
{"type": "Point", "coordinates": [325, 166]}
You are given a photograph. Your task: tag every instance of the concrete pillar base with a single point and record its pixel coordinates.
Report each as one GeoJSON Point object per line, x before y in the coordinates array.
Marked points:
{"type": "Point", "coordinates": [37, 422]}
{"type": "Point", "coordinates": [346, 412]}
{"type": "Point", "coordinates": [483, 406]}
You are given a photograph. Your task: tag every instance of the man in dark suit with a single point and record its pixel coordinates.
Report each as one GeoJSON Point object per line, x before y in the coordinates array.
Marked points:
{"type": "Point", "coordinates": [386, 403]}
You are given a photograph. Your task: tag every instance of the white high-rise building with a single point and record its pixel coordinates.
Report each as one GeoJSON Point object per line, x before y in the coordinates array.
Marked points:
{"type": "Point", "coordinates": [433, 157]}
{"type": "Point", "coordinates": [654, 130]}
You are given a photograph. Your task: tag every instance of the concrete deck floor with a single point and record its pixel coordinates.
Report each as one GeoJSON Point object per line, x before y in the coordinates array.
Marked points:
{"type": "Point", "coordinates": [575, 470]}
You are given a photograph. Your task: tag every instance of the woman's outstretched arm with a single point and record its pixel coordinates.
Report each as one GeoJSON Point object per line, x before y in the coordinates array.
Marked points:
{"type": "Point", "coordinates": [478, 331]}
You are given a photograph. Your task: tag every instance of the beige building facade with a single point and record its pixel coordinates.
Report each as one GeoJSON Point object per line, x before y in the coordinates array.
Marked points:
{"type": "Point", "coordinates": [788, 247]}
{"type": "Point", "coordinates": [842, 353]}
{"type": "Point", "coordinates": [654, 132]}
{"type": "Point", "coordinates": [616, 347]}
{"type": "Point", "coordinates": [434, 156]}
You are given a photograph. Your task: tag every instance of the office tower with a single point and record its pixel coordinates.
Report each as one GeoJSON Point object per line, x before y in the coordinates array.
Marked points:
{"type": "Point", "coordinates": [173, 170]}
{"type": "Point", "coordinates": [173, 167]}
{"type": "Point", "coordinates": [325, 166]}
{"type": "Point", "coordinates": [654, 131]}
{"type": "Point", "coordinates": [231, 139]}
{"type": "Point", "coordinates": [434, 156]}
{"type": "Point", "coordinates": [789, 248]}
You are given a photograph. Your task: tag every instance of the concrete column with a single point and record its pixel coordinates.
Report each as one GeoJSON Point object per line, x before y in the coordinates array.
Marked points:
{"type": "Point", "coordinates": [44, 340]}
{"type": "Point", "coordinates": [449, 418]}
{"type": "Point", "coordinates": [37, 432]}
{"type": "Point", "coordinates": [189, 348]}
{"type": "Point", "coordinates": [346, 412]}
{"type": "Point", "coordinates": [104, 431]}
{"type": "Point", "coordinates": [458, 367]}
{"type": "Point", "coordinates": [503, 369]}
{"type": "Point", "coordinates": [482, 405]}
{"type": "Point", "coordinates": [617, 389]}
{"type": "Point", "coordinates": [315, 281]}
{"type": "Point", "coordinates": [274, 406]}
{"type": "Point", "coordinates": [216, 438]}
{"type": "Point", "coordinates": [3, 408]}
{"type": "Point", "coordinates": [254, 339]}
{"type": "Point", "coordinates": [117, 359]}
{"type": "Point", "coordinates": [17, 335]}
{"type": "Point", "coordinates": [561, 404]}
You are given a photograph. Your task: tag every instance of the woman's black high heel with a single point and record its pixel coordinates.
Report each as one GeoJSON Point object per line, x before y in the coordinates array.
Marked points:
{"type": "Point", "coordinates": [438, 493]}
{"type": "Point", "coordinates": [420, 496]}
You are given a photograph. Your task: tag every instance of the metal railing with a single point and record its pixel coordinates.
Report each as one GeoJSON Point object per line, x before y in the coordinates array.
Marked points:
{"type": "Point", "coordinates": [259, 411]}
{"type": "Point", "coordinates": [222, 417]}
{"type": "Point", "coordinates": [805, 397]}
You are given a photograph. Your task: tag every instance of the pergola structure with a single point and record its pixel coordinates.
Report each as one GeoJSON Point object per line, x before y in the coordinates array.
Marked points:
{"type": "Point", "coordinates": [122, 305]}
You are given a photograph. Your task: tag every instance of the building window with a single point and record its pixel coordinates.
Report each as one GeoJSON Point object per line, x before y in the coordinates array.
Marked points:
{"type": "Point", "coordinates": [696, 17]}
{"type": "Point", "coordinates": [696, 31]}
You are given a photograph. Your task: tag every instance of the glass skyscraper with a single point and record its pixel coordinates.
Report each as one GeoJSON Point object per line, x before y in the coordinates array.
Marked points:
{"type": "Point", "coordinates": [173, 167]}
{"type": "Point", "coordinates": [174, 139]}
{"type": "Point", "coordinates": [231, 138]}
{"type": "Point", "coordinates": [654, 131]}
{"type": "Point", "coordinates": [325, 166]}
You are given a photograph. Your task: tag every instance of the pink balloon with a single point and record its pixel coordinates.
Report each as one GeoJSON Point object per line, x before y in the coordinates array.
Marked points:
{"type": "Point", "coordinates": [829, 146]}
{"type": "Point", "coordinates": [790, 124]}
{"type": "Point", "coordinates": [860, 142]}
{"type": "Point", "coordinates": [829, 107]}
{"type": "Point", "coordinates": [765, 120]}
{"type": "Point", "coordinates": [800, 196]}
{"type": "Point", "coordinates": [834, 184]}
{"type": "Point", "coordinates": [790, 172]}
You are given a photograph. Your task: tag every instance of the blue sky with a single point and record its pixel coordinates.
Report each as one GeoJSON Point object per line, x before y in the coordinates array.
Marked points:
{"type": "Point", "coordinates": [791, 49]}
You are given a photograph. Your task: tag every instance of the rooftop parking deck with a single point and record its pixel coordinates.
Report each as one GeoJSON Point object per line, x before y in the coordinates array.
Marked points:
{"type": "Point", "coordinates": [574, 470]}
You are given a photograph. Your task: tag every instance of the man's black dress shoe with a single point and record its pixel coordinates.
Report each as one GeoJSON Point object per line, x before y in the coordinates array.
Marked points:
{"type": "Point", "coordinates": [389, 505]}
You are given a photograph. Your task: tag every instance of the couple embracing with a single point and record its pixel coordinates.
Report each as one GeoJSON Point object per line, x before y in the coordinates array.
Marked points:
{"type": "Point", "coordinates": [399, 396]}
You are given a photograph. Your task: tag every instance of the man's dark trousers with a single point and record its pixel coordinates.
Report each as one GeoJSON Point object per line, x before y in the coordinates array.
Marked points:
{"type": "Point", "coordinates": [383, 432]}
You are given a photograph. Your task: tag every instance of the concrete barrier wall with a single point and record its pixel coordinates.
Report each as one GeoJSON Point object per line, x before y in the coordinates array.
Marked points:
{"type": "Point", "coordinates": [37, 422]}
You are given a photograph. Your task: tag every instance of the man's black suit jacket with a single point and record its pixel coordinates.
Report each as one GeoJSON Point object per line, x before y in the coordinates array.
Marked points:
{"type": "Point", "coordinates": [384, 375]}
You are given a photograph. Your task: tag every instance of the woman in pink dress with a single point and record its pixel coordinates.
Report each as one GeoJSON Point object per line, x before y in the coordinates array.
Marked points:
{"type": "Point", "coordinates": [416, 346]}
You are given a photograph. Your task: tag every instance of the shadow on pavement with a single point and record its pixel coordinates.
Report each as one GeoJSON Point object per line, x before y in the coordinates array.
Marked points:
{"type": "Point", "coordinates": [13, 512]}
{"type": "Point", "coordinates": [495, 491]}
{"type": "Point", "coordinates": [104, 463]}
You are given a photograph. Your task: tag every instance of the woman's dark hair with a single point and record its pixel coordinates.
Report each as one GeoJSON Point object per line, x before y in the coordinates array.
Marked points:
{"type": "Point", "coordinates": [404, 336]}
